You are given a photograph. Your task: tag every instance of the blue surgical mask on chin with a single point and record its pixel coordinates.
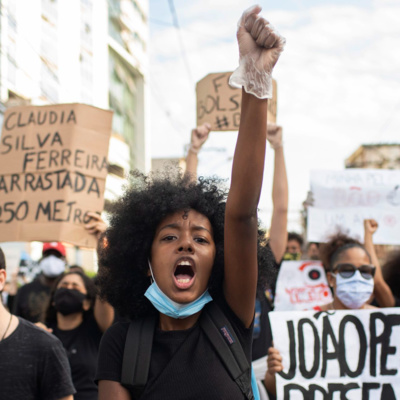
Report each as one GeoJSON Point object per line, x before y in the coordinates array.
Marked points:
{"type": "Point", "coordinates": [171, 308]}
{"type": "Point", "coordinates": [354, 292]}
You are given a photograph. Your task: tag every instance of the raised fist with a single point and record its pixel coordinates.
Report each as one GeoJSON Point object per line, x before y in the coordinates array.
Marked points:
{"type": "Point", "coordinates": [199, 136]}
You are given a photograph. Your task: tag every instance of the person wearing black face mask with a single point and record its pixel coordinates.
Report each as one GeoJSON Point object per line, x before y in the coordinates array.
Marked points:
{"type": "Point", "coordinates": [79, 319]}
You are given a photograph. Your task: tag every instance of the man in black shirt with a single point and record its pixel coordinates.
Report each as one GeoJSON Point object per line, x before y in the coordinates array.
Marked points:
{"type": "Point", "coordinates": [33, 363]}
{"type": "Point", "coordinates": [32, 298]}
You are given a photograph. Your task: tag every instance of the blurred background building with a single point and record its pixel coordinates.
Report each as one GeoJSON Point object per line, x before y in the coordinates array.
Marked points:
{"type": "Point", "coordinates": [80, 51]}
{"type": "Point", "coordinates": [380, 156]}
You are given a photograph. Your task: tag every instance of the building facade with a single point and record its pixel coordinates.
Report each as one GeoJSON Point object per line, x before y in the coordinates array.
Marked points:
{"type": "Point", "coordinates": [380, 156]}
{"type": "Point", "coordinates": [82, 51]}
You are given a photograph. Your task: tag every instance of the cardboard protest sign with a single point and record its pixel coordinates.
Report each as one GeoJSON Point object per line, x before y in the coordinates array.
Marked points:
{"type": "Point", "coordinates": [343, 199]}
{"type": "Point", "coordinates": [53, 166]}
{"type": "Point", "coordinates": [219, 104]}
{"type": "Point", "coordinates": [347, 354]}
{"type": "Point", "coordinates": [301, 285]}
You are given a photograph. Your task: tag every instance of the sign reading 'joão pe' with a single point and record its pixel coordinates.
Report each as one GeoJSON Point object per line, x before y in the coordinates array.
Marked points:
{"type": "Point", "coordinates": [346, 354]}
{"type": "Point", "coordinates": [53, 166]}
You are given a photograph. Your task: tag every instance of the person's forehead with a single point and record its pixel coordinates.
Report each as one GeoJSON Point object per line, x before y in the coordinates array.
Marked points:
{"type": "Point", "coordinates": [186, 217]}
{"type": "Point", "coordinates": [73, 278]}
{"type": "Point", "coordinates": [354, 255]}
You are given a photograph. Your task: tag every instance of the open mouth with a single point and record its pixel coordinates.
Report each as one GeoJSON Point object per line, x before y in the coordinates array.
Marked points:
{"type": "Point", "coordinates": [184, 274]}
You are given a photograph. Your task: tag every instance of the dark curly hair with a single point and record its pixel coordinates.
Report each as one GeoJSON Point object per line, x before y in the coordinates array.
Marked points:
{"type": "Point", "coordinates": [297, 237]}
{"type": "Point", "coordinates": [148, 199]}
{"type": "Point", "coordinates": [391, 273]}
{"type": "Point", "coordinates": [329, 252]}
{"type": "Point", "coordinates": [51, 312]}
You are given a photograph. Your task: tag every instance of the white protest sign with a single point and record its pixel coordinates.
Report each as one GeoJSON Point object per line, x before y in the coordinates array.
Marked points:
{"type": "Point", "coordinates": [346, 354]}
{"type": "Point", "coordinates": [323, 223]}
{"type": "Point", "coordinates": [343, 199]}
{"type": "Point", "coordinates": [301, 285]}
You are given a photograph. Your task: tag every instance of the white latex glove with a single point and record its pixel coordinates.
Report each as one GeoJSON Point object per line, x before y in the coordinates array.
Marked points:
{"type": "Point", "coordinates": [259, 49]}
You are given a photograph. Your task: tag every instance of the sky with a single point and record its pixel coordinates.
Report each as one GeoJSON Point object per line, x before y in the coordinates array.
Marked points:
{"type": "Point", "coordinates": [338, 82]}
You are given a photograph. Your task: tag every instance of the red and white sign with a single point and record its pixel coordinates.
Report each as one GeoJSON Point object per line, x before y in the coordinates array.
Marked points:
{"type": "Point", "coordinates": [301, 285]}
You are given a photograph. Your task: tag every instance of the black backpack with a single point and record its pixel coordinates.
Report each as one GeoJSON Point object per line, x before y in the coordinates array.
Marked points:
{"type": "Point", "coordinates": [139, 341]}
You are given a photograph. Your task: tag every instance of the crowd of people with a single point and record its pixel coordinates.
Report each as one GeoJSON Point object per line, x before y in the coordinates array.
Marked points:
{"type": "Point", "coordinates": [186, 278]}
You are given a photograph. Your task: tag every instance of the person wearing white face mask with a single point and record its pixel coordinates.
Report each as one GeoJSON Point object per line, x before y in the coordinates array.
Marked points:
{"type": "Point", "coordinates": [33, 297]}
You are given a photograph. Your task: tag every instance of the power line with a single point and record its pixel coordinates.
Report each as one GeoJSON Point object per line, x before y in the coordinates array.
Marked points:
{"type": "Point", "coordinates": [184, 57]}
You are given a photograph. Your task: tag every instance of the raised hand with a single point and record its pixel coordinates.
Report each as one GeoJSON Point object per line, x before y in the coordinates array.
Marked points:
{"type": "Point", "coordinates": [259, 49]}
{"type": "Point", "coordinates": [274, 135]}
{"type": "Point", "coordinates": [96, 225]}
{"type": "Point", "coordinates": [370, 226]}
{"type": "Point", "coordinates": [199, 136]}
{"type": "Point", "coordinates": [274, 365]}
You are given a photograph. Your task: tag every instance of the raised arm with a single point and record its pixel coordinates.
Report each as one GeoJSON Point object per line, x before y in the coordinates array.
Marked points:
{"type": "Point", "coordinates": [103, 311]}
{"type": "Point", "coordinates": [382, 292]}
{"type": "Point", "coordinates": [197, 139]}
{"type": "Point", "coordinates": [259, 48]}
{"type": "Point", "coordinates": [278, 229]}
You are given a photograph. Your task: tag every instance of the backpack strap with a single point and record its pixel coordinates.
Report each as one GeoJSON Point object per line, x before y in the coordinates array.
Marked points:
{"type": "Point", "coordinates": [137, 354]}
{"type": "Point", "coordinates": [225, 342]}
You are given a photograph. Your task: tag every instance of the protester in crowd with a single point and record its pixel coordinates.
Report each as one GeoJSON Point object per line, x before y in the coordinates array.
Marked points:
{"type": "Point", "coordinates": [350, 273]}
{"type": "Point", "coordinates": [262, 335]}
{"type": "Point", "coordinates": [312, 251]}
{"type": "Point", "coordinates": [391, 274]}
{"type": "Point", "coordinates": [33, 363]}
{"type": "Point", "coordinates": [180, 235]}
{"type": "Point", "coordinates": [32, 298]}
{"type": "Point", "coordinates": [78, 318]}
{"type": "Point", "coordinates": [294, 248]}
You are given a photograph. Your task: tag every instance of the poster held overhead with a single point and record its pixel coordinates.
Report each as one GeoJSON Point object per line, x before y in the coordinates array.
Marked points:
{"type": "Point", "coordinates": [53, 166]}
{"type": "Point", "coordinates": [219, 104]}
{"type": "Point", "coordinates": [343, 199]}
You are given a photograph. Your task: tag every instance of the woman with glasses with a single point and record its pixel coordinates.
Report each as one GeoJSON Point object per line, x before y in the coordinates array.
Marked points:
{"type": "Point", "coordinates": [353, 273]}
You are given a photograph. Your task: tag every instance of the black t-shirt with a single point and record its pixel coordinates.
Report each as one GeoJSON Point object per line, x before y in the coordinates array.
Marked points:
{"type": "Point", "coordinates": [184, 364]}
{"type": "Point", "coordinates": [32, 301]}
{"type": "Point", "coordinates": [82, 346]}
{"type": "Point", "coordinates": [33, 365]}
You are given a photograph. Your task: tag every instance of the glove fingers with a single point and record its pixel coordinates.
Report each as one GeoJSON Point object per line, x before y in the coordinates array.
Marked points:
{"type": "Point", "coordinates": [270, 41]}
{"type": "Point", "coordinates": [264, 37]}
{"type": "Point", "coordinates": [258, 27]}
{"type": "Point", "coordinates": [253, 10]}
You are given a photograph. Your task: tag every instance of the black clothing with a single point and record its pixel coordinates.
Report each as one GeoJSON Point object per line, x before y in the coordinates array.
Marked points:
{"type": "Point", "coordinates": [32, 301]}
{"type": "Point", "coordinates": [262, 334]}
{"type": "Point", "coordinates": [82, 345]}
{"type": "Point", "coordinates": [33, 365]}
{"type": "Point", "coordinates": [184, 364]}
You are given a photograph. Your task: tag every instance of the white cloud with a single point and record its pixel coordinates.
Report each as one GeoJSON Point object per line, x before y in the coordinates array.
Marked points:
{"type": "Point", "coordinates": [338, 82]}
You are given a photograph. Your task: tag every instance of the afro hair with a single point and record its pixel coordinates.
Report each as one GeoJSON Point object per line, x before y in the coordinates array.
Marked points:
{"type": "Point", "coordinates": [124, 252]}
